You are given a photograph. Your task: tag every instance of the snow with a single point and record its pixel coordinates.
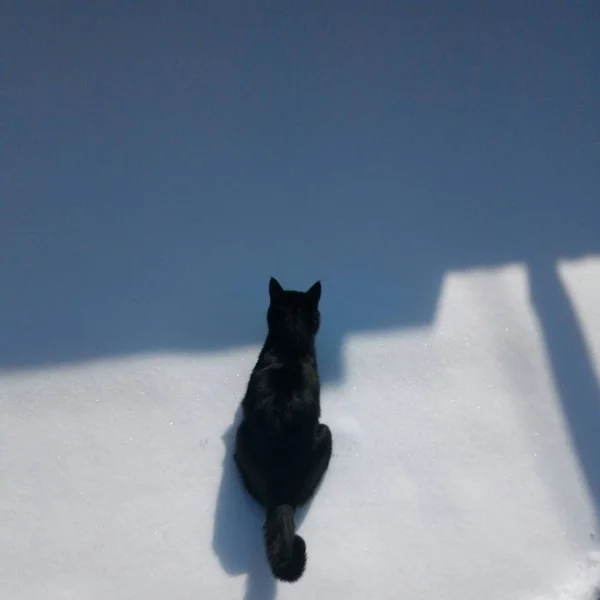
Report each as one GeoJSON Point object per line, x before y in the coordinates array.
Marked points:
{"type": "Point", "coordinates": [436, 169]}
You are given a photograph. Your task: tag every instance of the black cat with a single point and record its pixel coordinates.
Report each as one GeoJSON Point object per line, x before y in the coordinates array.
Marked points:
{"type": "Point", "coordinates": [282, 452]}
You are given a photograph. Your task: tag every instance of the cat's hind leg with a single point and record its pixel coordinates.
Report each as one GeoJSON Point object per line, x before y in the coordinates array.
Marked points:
{"type": "Point", "coordinates": [322, 449]}
{"type": "Point", "coordinates": [251, 471]}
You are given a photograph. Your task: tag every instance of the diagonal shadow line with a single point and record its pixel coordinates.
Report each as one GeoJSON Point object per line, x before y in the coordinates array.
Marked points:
{"type": "Point", "coordinates": [574, 375]}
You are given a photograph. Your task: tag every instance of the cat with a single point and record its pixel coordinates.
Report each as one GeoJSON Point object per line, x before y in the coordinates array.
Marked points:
{"type": "Point", "coordinates": [282, 451]}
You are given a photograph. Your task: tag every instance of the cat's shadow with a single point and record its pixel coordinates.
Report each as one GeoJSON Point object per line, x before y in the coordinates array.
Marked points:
{"type": "Point", "coordinates": [237, 536]}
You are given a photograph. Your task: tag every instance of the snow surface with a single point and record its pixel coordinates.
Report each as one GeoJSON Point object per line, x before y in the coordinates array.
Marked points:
{"type": "Point", "coordinates": [436, 168]}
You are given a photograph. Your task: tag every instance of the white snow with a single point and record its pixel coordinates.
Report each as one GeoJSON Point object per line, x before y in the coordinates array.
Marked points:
{"type": "Point", "coordinates": [437, 170]}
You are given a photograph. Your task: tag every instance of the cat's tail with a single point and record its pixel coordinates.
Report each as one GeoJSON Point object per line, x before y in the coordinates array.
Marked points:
{"type": "Point", "coordinates": [286, 551]}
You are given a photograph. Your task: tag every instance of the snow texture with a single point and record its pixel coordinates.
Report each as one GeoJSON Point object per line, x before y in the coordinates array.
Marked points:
{"type": "Point", "coordinates": [435, 165]}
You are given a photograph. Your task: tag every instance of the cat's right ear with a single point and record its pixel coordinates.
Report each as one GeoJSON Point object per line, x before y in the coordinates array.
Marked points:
{"type": "Point", "coordinates": [314, 294]}
{"type": "Point", "coordinates": [275, 289]}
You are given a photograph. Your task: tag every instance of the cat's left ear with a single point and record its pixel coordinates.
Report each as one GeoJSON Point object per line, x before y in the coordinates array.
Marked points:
{"type": "Point", "coordinates": [275, 289]}
{"type": "Point", "coordinates": [314, 294]}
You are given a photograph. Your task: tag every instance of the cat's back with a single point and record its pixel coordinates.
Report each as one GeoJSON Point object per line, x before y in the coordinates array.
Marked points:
{"type": "Point", "coordinates": [292, 375]}
{"type": "Point", "coordinates": [283, 392]}
{"type": "Point", "coordinates": [282, 373]}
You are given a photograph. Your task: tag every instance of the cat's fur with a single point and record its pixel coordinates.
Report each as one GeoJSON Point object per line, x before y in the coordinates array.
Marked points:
{"type": "Point", "coordinates": [282, 451]}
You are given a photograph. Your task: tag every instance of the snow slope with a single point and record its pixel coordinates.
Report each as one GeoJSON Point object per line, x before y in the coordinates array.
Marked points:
{"type": "Point", "coordinates": [438, 171]}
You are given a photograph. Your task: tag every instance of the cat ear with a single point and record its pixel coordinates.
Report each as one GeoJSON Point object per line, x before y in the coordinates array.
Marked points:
{"type": "Point", "coordinates": [314, 293]}
{"type": "Point", "coordinates": [275, 289]}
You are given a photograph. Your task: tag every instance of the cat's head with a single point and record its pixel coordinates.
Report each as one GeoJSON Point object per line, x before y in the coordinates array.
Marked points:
{"type": "Point", "coordinates": [294, 314]}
